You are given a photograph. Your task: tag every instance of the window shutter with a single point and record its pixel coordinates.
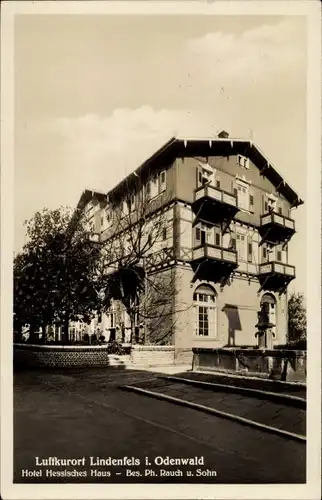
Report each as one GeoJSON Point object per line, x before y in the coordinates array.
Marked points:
{"type": "Point", "coordinates": [199, 177]}
{"type": "Point", "coordinates": [198, 234]}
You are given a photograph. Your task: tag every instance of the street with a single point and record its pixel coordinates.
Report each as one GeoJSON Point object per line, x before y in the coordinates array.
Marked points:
{"type": "Point", "coordinates": [84, 413]}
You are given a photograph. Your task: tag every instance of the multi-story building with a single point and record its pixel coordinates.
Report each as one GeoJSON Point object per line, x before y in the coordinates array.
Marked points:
{"type": "Point", "coordinates": [227, 226]}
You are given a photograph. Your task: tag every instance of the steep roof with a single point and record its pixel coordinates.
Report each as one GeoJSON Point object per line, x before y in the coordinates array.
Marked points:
{"type": "Point", "coordinates": [87, 195]}
{"type": "Point", "coordinates": [178, 147]}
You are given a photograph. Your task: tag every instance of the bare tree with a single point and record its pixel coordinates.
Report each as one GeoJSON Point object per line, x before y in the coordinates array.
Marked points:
{"type": "Point", "coordinates": [137, 255]}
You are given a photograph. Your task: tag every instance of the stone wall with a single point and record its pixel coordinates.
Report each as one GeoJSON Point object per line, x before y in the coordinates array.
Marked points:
{"type": "Point", "coordinates": [47, 356]}
{"type": "Point", "coordinates": [275, 364]}
{"type": "Point", "coordinates": [153, 355]}
{"type": "Point", "coordinates": [183, 356]}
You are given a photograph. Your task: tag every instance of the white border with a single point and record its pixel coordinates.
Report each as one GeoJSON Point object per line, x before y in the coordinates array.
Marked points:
{"type": "Point", "coordinates": [312, 198]}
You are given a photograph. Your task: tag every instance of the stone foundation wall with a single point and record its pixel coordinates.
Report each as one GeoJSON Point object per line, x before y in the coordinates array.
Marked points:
{"type": "Point", "coordinates": [183, 356]}
{"type": "Point", "coordinates": [34, 356]}
{"type": "Point", "coordinates": [278, 364]}
{"type": "Point", "coordinates": [152, 355]}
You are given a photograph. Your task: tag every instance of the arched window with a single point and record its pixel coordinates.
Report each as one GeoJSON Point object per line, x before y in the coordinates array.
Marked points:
{"type": "Point", "coordinates": [204, 303]}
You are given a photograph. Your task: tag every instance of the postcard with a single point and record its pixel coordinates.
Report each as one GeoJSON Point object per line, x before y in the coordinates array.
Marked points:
{"type": "Point", "coordinates": [160, 250]}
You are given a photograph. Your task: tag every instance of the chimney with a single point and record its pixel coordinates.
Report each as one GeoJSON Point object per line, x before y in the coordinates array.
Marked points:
{"type": "Point", "coordinates": [223, 134]}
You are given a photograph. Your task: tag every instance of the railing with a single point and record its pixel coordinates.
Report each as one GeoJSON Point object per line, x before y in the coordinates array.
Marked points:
{"type": "Point", "coordinates": [214, 252]}
{"type": "Point", "coordinates": [277, 267]}
{"type": "Point", "coordinates": [273, 218]}
{"type": "Point", "coordinates": [208, 191]}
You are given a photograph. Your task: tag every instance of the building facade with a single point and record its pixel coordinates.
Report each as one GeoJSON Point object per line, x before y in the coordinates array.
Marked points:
{"type": "Point", "coordinates": [224, 223]}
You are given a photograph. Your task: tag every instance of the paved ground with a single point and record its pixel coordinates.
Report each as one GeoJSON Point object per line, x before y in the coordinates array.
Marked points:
{"type": "Point", "coordinates": [274, 414]}
{"type": "Point", "coordinates": [84, 413]}
{"type": "Point", "coordinates": [292, 389]}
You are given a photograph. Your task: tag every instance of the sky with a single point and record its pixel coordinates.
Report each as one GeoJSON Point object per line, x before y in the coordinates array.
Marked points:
{"type": "Point", "coordinates": [96, 95]}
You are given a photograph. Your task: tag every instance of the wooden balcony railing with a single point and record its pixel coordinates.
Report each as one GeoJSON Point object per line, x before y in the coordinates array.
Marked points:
{"type": "Point", "coordinates": [213, 252]}
{"type": "Point", "coordinates": [208, 191]}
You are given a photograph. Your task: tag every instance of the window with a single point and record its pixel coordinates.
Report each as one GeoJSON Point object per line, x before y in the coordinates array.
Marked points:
{"type": "Point", "coordinates": [217, 239]}
{"type": "Point", "coordinates": [278, 256]}
{"type": "Point", "coordinates": [154, 184]}
{"type": "Point", "coordinates": [164, 233]}
{"type": "Point", "coordinates": [162, 186]}
{"type": "Point", "coordinates": [204, 300]}
{"type": "Point", "coordinates": [203, 234]}
{"type": "Point", "coordinates": [241, 246]}
{"type": "Point", "coordinates": [109, 216]}
{"type": "Point", "coordinates": [265, 207]}
{"type": "Point", "coordinates": [205, 174]}
{"type": "Point", "coordinates": [264, 253]}
{"type": "Point", "coordinates": [232, 244]}
{"type": "Point", "coordinates": [242, 161]}
{"type": "Point", "coordinates": [270, 204]}
{"type": "Point", "coordinates": [280, 211]}
{"type": "Point", "coordinates": [203, 320]}
{"type": "Point", "coordinates": [131, 203]}
{"type": "Point", "coordinates": [251, 200]}
{"type": "Point", "coordinates": [243, 196]}
{"type": "Point", "coordinates": [218, 184]}
{"type": "Point", "coordinates": [102, 221]}
{"type": "Point", "coordinates": [250, 251]}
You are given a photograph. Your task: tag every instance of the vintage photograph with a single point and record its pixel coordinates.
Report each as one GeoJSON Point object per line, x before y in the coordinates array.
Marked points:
{"type": "Point", "coordinates": [160, 246]}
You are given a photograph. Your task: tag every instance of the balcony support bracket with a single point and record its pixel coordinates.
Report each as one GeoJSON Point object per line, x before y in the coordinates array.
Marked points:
{"type": "Point", "coordinates": [195, 276]}
{"type": "Point", "coordinates": [264, 237]}
{"type": "Point", "coordinates": [225, 225]}
{"type": "Point", "coordinates": [197, 215]}
{"type": "Point", "coordinates": [286, 242]}
{"type": "Point", "coordinates": [262, 286]}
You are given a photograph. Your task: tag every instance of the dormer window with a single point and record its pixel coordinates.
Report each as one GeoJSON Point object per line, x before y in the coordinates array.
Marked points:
{"type": "Point", "coordinates": [242, 161]}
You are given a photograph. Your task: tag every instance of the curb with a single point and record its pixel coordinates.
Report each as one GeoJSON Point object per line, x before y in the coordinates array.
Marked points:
{"type": "Point", "coordinates": [272, 396]}
{"type": "Point", "coordinates": [223, 373]}
{"type": "Point", "coordinates": [218, 413]}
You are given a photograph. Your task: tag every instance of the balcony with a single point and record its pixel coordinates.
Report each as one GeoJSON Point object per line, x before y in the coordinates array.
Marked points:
{"type": "Point", "coordinates": [213, 263]}
{"type": "Point", "coordinates": [275, 228]}
{"type": "Point", "coordinates": [214, 205]}
{"type": "Point", "coordinates": [275, 276]}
